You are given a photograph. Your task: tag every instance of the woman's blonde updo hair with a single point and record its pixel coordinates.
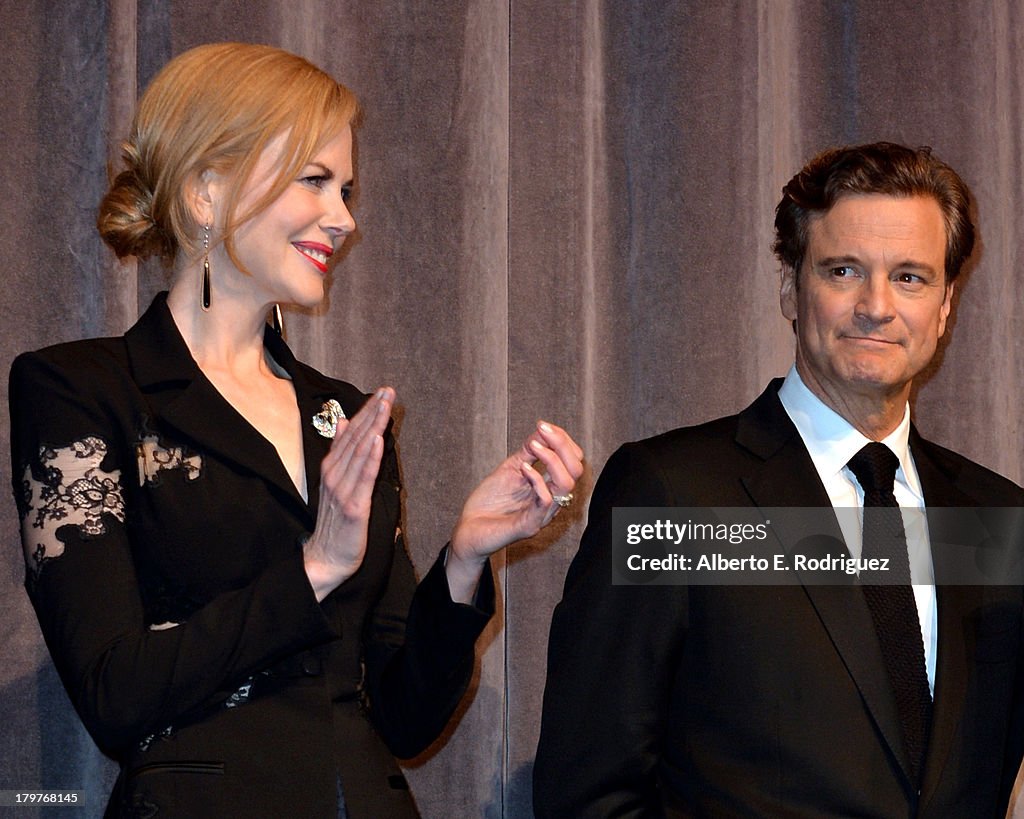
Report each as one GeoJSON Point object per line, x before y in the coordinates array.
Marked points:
{"type": "Point", "coordinates": [215, 107]}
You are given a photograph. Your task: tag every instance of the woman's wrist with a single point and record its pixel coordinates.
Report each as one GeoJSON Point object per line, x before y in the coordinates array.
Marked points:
{"type": "Point", "coordinates": [463, 574]}
{"type": "Point", "coordinates": [324, 574]}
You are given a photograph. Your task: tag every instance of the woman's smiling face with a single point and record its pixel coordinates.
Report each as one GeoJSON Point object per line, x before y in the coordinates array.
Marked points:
{"type": "Point", "coordinates": [286, 248]}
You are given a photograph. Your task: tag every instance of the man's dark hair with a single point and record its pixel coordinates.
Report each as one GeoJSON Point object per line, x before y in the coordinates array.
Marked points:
{"type": "Point", "coordinates": [881, 167]}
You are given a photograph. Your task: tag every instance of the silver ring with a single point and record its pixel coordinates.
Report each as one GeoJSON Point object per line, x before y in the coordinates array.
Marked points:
{"type": "Point", "coordinates": [562, 500]}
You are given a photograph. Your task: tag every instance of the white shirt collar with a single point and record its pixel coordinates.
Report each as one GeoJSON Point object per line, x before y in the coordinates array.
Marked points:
{"type": "Point", "coordinates": [831, 440]}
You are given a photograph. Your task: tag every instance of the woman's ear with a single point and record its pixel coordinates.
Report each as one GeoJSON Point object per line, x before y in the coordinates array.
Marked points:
{"type": "Point", "coordinates": [202, 192]}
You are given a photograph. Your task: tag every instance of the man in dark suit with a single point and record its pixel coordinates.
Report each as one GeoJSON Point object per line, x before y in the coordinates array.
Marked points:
{"type": "Point", "coordinates": [868, 698]}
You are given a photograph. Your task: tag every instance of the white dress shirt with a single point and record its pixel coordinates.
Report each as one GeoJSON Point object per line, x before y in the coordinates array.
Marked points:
{"type": "Point", "coordinates": [832, 441]}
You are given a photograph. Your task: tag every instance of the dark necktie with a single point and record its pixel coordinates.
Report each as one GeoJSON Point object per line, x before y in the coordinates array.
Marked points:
{"type": "Point", "coordinates": [892, 605]}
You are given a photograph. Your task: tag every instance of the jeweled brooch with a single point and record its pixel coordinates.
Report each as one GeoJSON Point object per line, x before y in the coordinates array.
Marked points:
{"type": "Point", "coordinates": [326, 421]}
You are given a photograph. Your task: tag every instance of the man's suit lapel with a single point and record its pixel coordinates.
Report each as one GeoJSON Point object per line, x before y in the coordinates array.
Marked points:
{"type": "Point", "coordinates": [955, 642]}
{"type": "Point", "coordinates": [788, 478]}
{"type": "Point", "coordinates": [183, 398]}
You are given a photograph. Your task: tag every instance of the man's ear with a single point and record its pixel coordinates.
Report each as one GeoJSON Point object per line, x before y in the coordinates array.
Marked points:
{"type": "Point", "coordinates": [947, 305]}
{"type": "Point", "coordinates": [788, 292]}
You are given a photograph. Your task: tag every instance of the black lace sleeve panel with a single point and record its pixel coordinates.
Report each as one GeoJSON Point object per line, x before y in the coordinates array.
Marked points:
{"type": "Point", "coordinates": [76, 467]}
{"type": "Point", "coordinates": [66, 486]}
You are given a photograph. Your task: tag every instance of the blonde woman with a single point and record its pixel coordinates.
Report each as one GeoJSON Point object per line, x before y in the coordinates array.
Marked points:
{"type": "Point", "coordinates": [211, 527]}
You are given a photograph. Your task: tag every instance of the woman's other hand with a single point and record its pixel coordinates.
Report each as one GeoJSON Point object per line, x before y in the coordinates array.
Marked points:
{"type": "Point", "coordinates": [514, 502]}
{"type": "Point", "coordinates": [335, 550]}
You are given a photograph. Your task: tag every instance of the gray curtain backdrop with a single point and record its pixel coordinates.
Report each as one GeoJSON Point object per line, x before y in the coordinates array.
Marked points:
{"type": "Point", "coordinates": [565, 212]}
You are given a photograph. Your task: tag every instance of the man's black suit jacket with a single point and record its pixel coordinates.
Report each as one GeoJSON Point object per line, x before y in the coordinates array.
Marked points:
{"type": "Point", "coordinates": [767, 701]}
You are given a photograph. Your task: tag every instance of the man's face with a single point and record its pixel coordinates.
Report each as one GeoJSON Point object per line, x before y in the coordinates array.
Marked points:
{"type": "Point", "coordinates": [872, 300]}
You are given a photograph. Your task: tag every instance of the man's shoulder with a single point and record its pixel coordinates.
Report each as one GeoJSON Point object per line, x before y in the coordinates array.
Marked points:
{"type": "Point", "coordinates": [751, 434]}
{"type": "Point", "coordinates": [983, 486]}
{"type": "Point", "coordinates": [710, 437]}
{"type": "Point", "coordinates": [694, 465]}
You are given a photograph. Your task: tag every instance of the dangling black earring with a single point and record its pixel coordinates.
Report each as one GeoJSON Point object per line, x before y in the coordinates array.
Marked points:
{"type": "Point", "coordinates": [277, 320]}
{"type": "Point", "coordinates": [206, 267]}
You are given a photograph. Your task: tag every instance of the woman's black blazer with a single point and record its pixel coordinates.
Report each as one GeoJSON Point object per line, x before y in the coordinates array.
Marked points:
{"type": "Point", "coordinates": [164, 561]}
